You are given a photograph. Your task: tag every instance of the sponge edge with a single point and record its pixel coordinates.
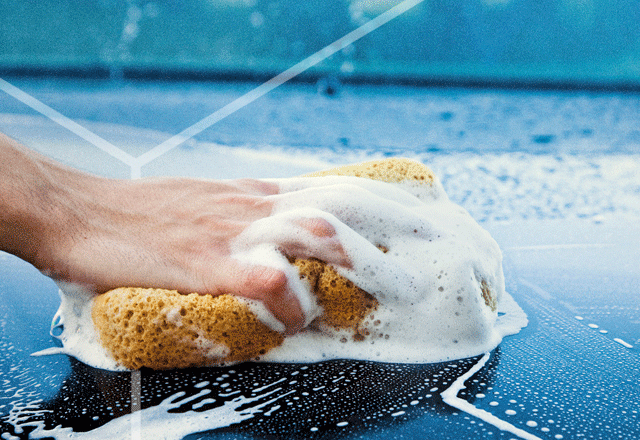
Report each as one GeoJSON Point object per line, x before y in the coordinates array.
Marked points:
{"type": "Point", "coordinates": [392, 170]}
{"type": "Point", "coordinates": [163, 329]}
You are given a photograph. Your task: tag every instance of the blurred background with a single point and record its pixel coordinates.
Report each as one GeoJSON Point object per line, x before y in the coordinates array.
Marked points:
{"type": "Point", "coordinates": [510, 43]}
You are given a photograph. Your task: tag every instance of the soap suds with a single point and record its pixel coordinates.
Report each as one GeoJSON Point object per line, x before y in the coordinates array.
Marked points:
{"type": "Point", "coordinates": [78, 336]}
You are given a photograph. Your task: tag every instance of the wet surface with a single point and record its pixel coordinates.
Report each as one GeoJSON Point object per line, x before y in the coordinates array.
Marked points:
{"type": "Point", "coordinates": [567, 225]}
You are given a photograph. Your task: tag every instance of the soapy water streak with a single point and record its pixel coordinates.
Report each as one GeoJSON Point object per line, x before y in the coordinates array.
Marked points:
{"type": "Point", "coordinates": [450, 397]}
{"type": "Point", "coordinates": [181, 413]}
{"type": "Point", "coordinates": [136, 163]}
{"type": "Point", "coordinates": [156, 423]}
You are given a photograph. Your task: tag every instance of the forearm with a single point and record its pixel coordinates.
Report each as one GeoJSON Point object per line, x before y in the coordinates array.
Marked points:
{"type": "Point", "coordinates": [37, 198]}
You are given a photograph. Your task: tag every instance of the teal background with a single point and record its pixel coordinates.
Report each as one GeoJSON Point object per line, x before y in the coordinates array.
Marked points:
{"type": "Point", "coordinates": [571, 43]}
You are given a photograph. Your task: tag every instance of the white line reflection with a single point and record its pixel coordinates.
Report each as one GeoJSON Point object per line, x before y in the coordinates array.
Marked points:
{"type": "Point", "coordinates": [136, 163]}
{"type": "Point", "coordinates": [67, 123]}
{"type": "Point", "coordinates": [136, 405]}
{"type": "Point", "coordinates": [276, 81]}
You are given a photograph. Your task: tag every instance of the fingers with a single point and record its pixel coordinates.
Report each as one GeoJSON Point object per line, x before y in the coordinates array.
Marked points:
{"type": "Point", "coordinates": [302, 233]}
{"type": "Point", "coordinates": [318, 227]}
{"type": "Point", "coordinates": [325, 234]}
{"type": "Point", "coordinates": [240, 207]}
{"type": "Point", "coordinates": [271, 286]}
{"type": "Point", "coordinates": [367, 217]}
{"type": "Point", "coordinates": [253, 187]}
{"type": "Point", "coordinates": [317, 218]}
{"type": "Point", "coordinates": [268, 285]}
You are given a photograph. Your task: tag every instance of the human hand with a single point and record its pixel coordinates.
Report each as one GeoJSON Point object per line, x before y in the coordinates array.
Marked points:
{"type": "Point", "coordinates": [167, 233]}
{"type": "Point", "coordinates": [178, 234]}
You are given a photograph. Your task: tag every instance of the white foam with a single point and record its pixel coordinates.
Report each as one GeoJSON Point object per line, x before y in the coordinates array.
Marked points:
{"type": "Point", "coordinates": [79, 338]}
{"type": "Point", "coordinates": [428, 283]}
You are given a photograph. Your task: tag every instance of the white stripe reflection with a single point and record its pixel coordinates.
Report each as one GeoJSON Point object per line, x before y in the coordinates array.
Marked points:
{"type": "Point", "coordinates": [67, 123]}
{"type": "Point", "coordinates": [277, 81]}
{"type": "Point", "coordinates": [136, 163]}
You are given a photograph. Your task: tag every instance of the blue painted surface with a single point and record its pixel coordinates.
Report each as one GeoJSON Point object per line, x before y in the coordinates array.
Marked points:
{"type": "Point", "coordinates": [592, 42]}
{"type": "Point", "coordinates": [553, 176]}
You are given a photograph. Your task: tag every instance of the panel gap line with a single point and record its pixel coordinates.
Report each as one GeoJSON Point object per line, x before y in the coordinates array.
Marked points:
{"type": "Point", "coordinates": [276, 81]}
{"type": "Point", "coordinates": [136, 405]}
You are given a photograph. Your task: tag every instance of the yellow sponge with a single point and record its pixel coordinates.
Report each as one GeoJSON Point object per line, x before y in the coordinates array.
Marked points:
{"type": "Point", "coordinates": [162, 329]}
{"type": "Point", "coordinates": [393, 170]}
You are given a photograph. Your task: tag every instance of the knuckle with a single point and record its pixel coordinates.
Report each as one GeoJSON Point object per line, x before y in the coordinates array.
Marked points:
{"type": "Point", "coordinates": [319, 227]}
{"type": "Point", "coordinates": [269, 280]}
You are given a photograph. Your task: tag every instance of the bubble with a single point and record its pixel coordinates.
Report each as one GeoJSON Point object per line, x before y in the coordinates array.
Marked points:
{"type": "Point", "coordinates": [256, 19]}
